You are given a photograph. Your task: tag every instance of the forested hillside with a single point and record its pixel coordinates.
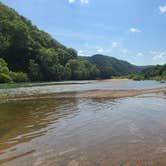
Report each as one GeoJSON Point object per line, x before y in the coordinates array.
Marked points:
{"type": "Point", "coordinates": [155, 72]}
{"type": "Point", "coordinates": [29, 54]}
{"type": "Point", "coordinates": [110, 66]}
{"type": "Point", "coordinates": [27, 49]}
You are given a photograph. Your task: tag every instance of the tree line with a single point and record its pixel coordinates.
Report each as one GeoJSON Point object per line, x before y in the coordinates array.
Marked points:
{"type": "Point", "coordinates": [157, 73]}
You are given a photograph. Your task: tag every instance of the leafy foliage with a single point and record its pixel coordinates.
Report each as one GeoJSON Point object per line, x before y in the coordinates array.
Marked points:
{"type": "Point", "coordinates": [4, 78]}
{"type": "Point", "coordinates": [155, 72]}
{"type": "Point", "coordinates": [82, 69]}
{"type": "Point", "coordinates": [26, 49]}
{"type": "Point", "coordinates": [7, 76]}
{"type": "Point", "coordinates": [18, 76]}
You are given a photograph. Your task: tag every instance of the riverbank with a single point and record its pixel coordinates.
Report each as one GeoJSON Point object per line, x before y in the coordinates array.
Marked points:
{"type": "Point", "coordinates": [33, 84]}
{"type": "Point", "coordinates": [112, 88]}
{"type": "Point", "coordinates": [113, 80]}
{"type": "Point", "coordinates": [120, 93]}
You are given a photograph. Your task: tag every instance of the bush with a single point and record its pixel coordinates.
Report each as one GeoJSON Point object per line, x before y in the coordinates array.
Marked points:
{"type": "Point", "coordinates": [158, 78]}
{"type": "Point", "coordinates": [4, 78]}
{"type": "Point", "coordinates": [136, 77]}
{"type": "Point", "coordinates": [19, 77]}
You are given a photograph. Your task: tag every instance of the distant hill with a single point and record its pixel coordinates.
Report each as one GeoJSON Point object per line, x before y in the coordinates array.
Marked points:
{"type": "Point", "coordinates": [110, 66]}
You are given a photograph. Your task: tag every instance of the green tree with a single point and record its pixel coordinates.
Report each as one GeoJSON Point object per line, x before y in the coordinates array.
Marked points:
{"type": "Point", "coordinates": [49, 63]}
{"type": "Point", "coordinates": [34, 71]}
{"type": "Point", "coordinates": [3, 67]}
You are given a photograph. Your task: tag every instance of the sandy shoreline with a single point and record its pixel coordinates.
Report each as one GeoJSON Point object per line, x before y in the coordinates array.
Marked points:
{"type": "Point", "coordinates": [112, 81]}
{"type": "Point", "coordinates": [89, 94]}
{"type": "Point", "coordinates": [120, 93]}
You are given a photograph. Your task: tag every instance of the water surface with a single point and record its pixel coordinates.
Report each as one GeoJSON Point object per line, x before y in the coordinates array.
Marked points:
{"type": "Point", "coordinates": [63, 130]}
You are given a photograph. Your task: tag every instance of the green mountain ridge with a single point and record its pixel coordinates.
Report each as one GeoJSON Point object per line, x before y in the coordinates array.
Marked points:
{"type": "Point", "coordinates": [110, 66]}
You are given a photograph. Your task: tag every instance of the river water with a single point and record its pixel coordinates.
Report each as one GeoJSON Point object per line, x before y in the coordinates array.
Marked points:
{"type": "Point", "coordinates": [61, 129]}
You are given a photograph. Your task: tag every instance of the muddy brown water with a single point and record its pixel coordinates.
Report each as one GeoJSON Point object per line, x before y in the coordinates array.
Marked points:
{"type": "Point", "coordinates": [64, 130]}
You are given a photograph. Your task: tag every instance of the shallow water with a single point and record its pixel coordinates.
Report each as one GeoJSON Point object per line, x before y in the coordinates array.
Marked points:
{"type": "Point", "coordinates": [78, 86]}
{"type": "Point", "coordinates": [62, 130]}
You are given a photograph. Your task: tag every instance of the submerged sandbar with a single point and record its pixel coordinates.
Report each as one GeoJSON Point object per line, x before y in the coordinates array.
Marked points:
{"type": "Point", "coordinates": [120, 93]}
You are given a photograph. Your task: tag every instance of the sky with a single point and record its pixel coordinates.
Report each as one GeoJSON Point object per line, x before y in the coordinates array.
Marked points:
{"type": "Point", "coordinates": [132, 30]}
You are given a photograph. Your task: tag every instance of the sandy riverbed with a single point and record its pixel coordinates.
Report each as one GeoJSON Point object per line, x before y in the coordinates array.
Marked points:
{"type": "Point", "coordinates": [120, 93]}
{"type": "Point", "coordinates": [112, 81]}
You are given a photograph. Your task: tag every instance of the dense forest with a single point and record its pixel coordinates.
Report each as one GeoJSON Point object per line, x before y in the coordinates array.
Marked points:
{"type": "Point", "coordinates": [30, 54]}
{"type": "Point", "coordinates": [157, 72]}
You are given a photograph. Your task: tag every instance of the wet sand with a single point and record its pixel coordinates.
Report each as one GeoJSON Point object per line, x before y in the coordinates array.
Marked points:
{"type": "Point", "coordinates": [120, 93]}
{"type": "Point", "coordinates": [112, 81]}
{"type": "Point", "coordinates": [110, 88]}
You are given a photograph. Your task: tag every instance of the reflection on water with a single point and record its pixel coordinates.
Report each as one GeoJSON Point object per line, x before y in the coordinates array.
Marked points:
{"type": "Point", "coordinates": [63, 130]}
{"type": "Point", "coordinates": [23, 120]}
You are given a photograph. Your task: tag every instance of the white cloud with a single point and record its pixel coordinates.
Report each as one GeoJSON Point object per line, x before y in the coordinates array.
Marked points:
{"type": "Point", "coordinates": [100, 50]}
{"type": "Point", "coordinates": [115, 44]}
{"type": "Point", "coordinates": [159, 56]}
{"type": "Point", "coordinates": [71, 1]}
{"type": "Point", "coordinates": [84, 1]}
{"type": "Point", "coordinates": [135, 30]}
{"type": "Point", "coordinates": [140, 54]}
{"type": "Point", "coordinates": [81, 1]}
{"type": "Point", "coordinates": [82, 53]}
{"type": "Point", "coordinates": [162, 9]}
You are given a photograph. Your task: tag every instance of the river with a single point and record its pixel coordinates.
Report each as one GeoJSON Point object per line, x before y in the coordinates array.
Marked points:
{"type": "Point", "coordinates": [50, 125]}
